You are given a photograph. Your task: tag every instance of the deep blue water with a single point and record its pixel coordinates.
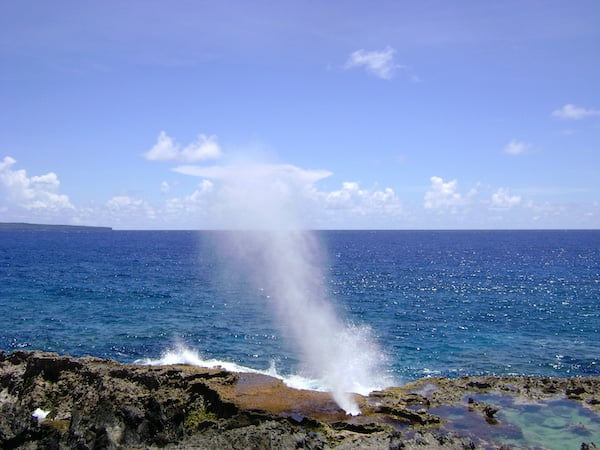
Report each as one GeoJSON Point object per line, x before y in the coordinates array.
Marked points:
{"type": "Point", "coordinates": [440, 302]}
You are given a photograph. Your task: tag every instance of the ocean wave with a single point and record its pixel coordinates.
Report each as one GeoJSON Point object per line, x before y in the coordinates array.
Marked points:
{"type": "Point", "coordinates": [184, 355]}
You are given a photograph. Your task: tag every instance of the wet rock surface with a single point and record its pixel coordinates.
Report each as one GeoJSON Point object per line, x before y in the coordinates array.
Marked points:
{"type": "Point", "coordinates": [95, 403]}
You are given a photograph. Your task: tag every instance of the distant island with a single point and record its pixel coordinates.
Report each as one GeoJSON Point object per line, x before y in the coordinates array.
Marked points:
{"type": "Point", "coordinates": [43, 227]}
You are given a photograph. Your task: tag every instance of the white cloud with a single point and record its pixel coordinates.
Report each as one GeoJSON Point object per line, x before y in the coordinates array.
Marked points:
{"type": "Point", "coordinates": [572, 112]}
{"type": "Point", "coordinates": [6, 163]}
{"type": "Point", "coordinates": [30, 193]}
{"type": "Point", "coordinates": [166, 149]}
{"type": "Point", "coordinates": [119, 202]}
{"type": "Point", "coordinates": [282, 195]}
{"type": "Point", "coordinates": [254, 171]}
{"type": "Point", "coordinates": [501, 199]}
{"type": "Point", "coordinates": [124, 209]}
{"type": "Point", "coordinates": [361, 201]}
{"type": "Point", "coordinates": [258, 195]}
{"type": "Point", "coordinates": [202, 149]}
{"type": "Point", "coordinates": [166, 186]}
{"type": "Point", "coordinates": [199, 200]}
{"type": "Point", "coordinates": [515, 147]}
{"type": "Point", "coordinates": [380, 63]}
{"type": "Point", "coordinates": [442, 195]}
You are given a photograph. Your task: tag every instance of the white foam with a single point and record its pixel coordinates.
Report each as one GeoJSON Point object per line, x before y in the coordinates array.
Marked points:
{"type": "Point", "coordinates": [40, 414]}
{"type": "Point", "coordinates": [184, 355]}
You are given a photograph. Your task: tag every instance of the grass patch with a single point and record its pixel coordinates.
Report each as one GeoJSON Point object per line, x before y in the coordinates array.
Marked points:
{"type": "Point", "coordinates": [198, 417]}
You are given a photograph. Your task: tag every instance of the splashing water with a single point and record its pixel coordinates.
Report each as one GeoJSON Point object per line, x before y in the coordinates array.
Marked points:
{"type": "Point", "coordinates": [345, 357]}
{"type": "Point", "coordinates": [181, 354]}
{"type": "Point", "coordinates": [285, 262]}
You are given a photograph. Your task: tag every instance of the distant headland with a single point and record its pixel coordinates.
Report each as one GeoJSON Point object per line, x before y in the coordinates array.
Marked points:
{"type": "Point", "coordinates": [44, 227]}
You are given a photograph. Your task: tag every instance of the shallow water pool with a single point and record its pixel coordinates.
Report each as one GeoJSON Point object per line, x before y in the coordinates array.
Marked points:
{"type": "Point", "coordinates": [548, 424]}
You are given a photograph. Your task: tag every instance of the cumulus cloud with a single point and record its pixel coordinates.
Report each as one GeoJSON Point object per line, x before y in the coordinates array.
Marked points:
{"type": "Point", "coordinates": [167, 149]}
{"type": "Point", "coordinates": [380, 63]}
{"type": "Point", "coordinates": [442, 195]}
{"type": "Point", "coordinates": [361, 201]}
{"type": "Point", "coordinates": [501, 199]}
{"type": "Point", "coordinates": [259, 195]}
{"type": "Point", "coordinates": [119, 202]}
{"type": "Point", "coordinates": [283, 195]}
{"type": "Point", "coordinates": [36, 193]}
{"type": "Point", "coordinates": [192, 203]}
{"type": "Point", "coordinates": [515, 147]}
{"type": "Point", "coordinates": [125, 209]}
{"type": "Point", "coordinates": [572, 112]}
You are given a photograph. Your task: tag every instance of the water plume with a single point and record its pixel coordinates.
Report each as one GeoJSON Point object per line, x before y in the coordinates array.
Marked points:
{"type": "Point", "coordinates": [285, 261]}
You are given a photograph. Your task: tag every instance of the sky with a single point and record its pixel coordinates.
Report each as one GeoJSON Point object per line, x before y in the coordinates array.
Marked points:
{"type": "Point", "coordinates": [403, 114]}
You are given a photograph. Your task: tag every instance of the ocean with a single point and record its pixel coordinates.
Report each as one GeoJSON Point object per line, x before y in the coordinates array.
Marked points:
{"type": "Point", "coordinates": [446, 303]}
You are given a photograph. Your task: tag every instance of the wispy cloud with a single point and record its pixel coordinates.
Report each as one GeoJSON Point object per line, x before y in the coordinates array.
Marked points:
{"type": "Point", "coordinates": [202, 149]}
{"type": "Point", "coordinates": [501, 199]}
{"type": "Point", "coordinates": [242, 172]}
{"type": "Point", "coordinates": [515, 147]}
{"type": "Point", "coordinates": [572, 112]}
{"type": "Point", "coordinates": [380, 63]}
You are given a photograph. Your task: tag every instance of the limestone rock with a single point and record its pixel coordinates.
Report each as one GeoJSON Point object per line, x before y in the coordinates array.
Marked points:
{"type": "Point", "coordinates": [85, 403]}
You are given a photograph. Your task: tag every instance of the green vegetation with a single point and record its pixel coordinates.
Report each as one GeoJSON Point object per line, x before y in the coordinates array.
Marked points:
{"type": "Point", "coordinates": [197, 417]}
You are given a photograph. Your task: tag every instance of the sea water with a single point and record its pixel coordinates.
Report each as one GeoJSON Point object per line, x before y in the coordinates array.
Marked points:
{"type": "Point", "coordinates": [536, 424]}
{"type": "Point", "coordinates": [448, 303]}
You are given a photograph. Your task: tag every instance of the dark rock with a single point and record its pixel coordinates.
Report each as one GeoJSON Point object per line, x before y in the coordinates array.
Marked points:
{"type": "Point", "coordinates": [94, 403]}
{"type": "Point", "coordinates": [367, 428]}
{"type": "Point", "coordinates": [479, 384]}
{"type": "Point", "coordinates": [550, 389]}
{"type": "Point", "coordinates": [575, 391]}
{"type": "Point", "coordinates": [490, 410]}
{"type": "Point", "coordinates": [408, 415]}
{"type": "Point", "coordinates": [414, 399]}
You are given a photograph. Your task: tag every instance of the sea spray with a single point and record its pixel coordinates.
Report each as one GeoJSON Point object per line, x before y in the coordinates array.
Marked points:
{"type": "Point", "coordinates": [286, 266]}
{"type": "Point", "coordinates": [182, 354]}
{"type": "Point", "coordinates": [265, 204]}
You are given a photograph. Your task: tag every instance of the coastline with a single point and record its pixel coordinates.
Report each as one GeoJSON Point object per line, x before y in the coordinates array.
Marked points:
{"type": "Point", "coordinates": [97, 403]}
{"type": "Point", "coordinates": [21, 226]}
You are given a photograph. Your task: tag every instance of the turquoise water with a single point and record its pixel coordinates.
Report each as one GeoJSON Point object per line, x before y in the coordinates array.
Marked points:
{"type": "Point", "coordinates": [549, 424]}
{"type": "Point", "coordinates": [439, 302]}
{"type": "Point", "coordinates": [556, 424]}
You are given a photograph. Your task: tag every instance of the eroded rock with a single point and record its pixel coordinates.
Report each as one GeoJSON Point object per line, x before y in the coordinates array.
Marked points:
{"type": "Point", "coordinates": [96, 403]}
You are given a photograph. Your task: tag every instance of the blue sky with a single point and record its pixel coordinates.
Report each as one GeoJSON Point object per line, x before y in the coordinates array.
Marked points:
{"type": "Point", "coordinates": [359, 114]}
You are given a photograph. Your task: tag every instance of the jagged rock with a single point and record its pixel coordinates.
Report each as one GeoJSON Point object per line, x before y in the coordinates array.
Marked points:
{"type": "Point", "coordinates": [479, 384]}
{"type": "Point", "coordinates": [408, 415]}
{"type": "Point", "coordinates": [96, 403]}
{"type": "Point", "coordinates": [574, 392]}
{"type": "Point", "coordinates": [490, 410]}
{"type": "Point", "coordinates": [588, 446]}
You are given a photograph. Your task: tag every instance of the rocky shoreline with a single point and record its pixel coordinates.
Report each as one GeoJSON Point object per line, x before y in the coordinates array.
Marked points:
{"type": "Point", "coordinates": [52, 401]}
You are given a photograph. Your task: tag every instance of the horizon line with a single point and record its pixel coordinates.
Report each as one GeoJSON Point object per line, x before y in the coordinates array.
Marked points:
{"type": "Point", "coordinates": [112, 228]}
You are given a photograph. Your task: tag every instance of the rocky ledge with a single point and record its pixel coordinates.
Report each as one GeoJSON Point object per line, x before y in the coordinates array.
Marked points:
{"type": "Point", "coordinates": [51, 401]}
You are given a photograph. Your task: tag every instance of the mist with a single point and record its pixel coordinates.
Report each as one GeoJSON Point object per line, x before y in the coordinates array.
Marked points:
{"type": "Point", "coordinates": [282, 258]}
